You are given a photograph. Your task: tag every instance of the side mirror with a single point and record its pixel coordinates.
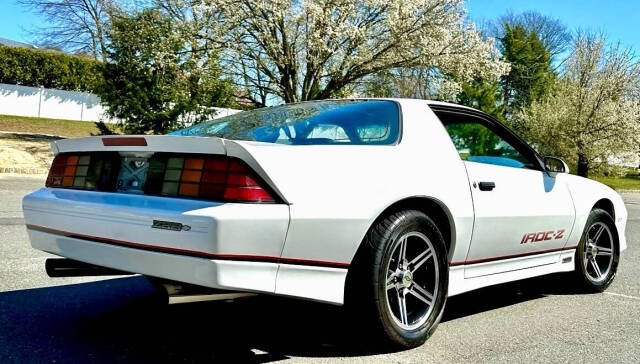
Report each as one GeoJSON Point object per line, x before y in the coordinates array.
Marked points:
{"type": "Point", "coordinates": [555, 165]}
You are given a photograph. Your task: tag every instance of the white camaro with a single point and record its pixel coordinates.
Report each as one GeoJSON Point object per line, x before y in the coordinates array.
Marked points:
{"type": "Point", "coordinates": [388, 206]}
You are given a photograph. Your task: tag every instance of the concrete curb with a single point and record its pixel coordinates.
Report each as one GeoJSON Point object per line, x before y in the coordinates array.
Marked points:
{"type": "Point", "coordinates": [35, 135]}
{"type": "Point", "coordinates": [18, 170]}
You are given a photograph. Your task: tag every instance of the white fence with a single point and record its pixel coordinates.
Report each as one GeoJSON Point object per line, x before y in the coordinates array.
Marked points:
{"type": "Point", "coordinates": [49, 103]}
{"type": "Point", "coordinates": [58, 104]}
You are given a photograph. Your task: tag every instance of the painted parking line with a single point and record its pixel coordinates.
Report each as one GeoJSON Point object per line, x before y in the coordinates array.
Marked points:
{"type": "Point", "coordinates": [622, 295]}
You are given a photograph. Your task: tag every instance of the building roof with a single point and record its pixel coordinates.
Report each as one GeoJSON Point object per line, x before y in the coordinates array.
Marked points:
{"type": "Point", "coordinates": [13, 43]}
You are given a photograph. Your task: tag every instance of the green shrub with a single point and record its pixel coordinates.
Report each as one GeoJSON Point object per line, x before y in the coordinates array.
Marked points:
{"type": "Point", "coordinates": [30, 67]}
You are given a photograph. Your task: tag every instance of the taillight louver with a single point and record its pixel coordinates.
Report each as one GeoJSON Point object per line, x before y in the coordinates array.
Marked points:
{"type": "Point", "coordinates": [194, 177]}
{"type": "Point", "coordinates": [213, 178]}
{"type": "Point", "coordinates": [69, 171]}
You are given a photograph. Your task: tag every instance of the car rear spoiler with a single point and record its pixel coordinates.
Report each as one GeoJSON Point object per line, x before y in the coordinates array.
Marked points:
{"type": "Point", "coordinates": [140, 143]}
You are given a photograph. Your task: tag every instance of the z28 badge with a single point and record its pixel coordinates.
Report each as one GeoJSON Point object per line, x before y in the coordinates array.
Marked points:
{"type": "Point", "coordinates": [170, 225]}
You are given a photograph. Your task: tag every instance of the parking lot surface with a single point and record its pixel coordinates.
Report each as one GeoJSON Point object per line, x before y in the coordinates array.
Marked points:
{"type": "Point", "coordinates": [116, 319]}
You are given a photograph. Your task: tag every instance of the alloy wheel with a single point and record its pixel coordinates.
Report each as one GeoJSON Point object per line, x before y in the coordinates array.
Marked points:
{"type": "Point", "coordinates": [598, 252]}
{"type": "Point", "coordinates": [412, 280]}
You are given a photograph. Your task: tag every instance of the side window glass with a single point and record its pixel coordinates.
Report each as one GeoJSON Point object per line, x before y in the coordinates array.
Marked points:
{"type": "Point", "coordinates": [477, 143]}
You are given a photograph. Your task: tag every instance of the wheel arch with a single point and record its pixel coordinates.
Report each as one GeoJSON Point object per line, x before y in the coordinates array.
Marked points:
{"type": "Point", "coordinates": [433, 208]}
{"type": "Point", "coordinates": [606, 205]}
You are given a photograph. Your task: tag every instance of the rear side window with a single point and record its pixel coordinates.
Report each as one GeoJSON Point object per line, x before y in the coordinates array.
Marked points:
{"type": "Point", "coordinates": [309, 123]}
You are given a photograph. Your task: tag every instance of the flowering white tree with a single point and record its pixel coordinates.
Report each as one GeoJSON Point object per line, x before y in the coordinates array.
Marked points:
{"type": "Point", "coordinates": [593, 114]}
{"type": "Point", "coordinates": [312, 49]}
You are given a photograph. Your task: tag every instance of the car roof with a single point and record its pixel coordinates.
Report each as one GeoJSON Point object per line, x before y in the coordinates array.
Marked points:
{"type": "Point", "coordinates": [397, 99]}
{"type": "Point", "coordinates": [404, 99]}
{"type": "Point", "coordinates": [443, 103]}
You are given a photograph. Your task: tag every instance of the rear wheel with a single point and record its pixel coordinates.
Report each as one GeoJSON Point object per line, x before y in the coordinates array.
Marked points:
{"type": "Point", "coordinates": [598, 253]}
{"type": "Point", "coordinates": [398, 283]}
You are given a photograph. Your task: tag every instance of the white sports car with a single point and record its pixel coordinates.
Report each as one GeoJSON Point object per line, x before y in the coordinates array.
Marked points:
{"type": "Point", "coordinates": [388, 206]}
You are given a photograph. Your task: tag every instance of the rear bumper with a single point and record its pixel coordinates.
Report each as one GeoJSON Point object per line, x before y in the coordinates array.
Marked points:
{"type": "Point", "coordinates": [209, 228]}
{"type": "Point", "coordinates": [296, 278]}
{"type": "Point", "coordinates": [228, 246]}
{"type": "Point", "coordinates": [223, 274]}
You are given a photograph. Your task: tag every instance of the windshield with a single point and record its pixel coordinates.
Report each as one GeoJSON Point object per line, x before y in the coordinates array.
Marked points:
{"type": "Point", "coordinates": [309, 123]}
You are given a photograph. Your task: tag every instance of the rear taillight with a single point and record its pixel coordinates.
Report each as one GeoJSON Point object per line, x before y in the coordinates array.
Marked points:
{"type": "Point", "coordinates": [242, 185]}
{"type": "Point", "coordinates": [213, 178]}
{"type": "Point", "coordinates": [69, 171]}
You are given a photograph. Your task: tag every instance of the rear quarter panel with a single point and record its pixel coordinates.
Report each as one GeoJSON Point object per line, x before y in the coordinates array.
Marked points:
{"type": "Point", "coordinates": [336, 192]}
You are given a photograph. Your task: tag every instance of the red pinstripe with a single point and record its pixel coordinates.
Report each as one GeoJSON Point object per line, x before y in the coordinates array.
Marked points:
{"type": "Point", "coordinates": [500, 257]}
{"type": "Point", "coordinates": [198, 253]}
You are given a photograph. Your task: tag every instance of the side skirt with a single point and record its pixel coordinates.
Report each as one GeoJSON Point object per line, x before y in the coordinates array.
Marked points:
{"type": "Point", "coordinates": [563, 262]}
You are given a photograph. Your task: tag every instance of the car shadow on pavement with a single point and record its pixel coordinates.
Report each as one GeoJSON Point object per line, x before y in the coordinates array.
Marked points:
{"type": "Point", "coordinates": [122, 319]}
{"type": "Point", "coordinates": [507, 294]}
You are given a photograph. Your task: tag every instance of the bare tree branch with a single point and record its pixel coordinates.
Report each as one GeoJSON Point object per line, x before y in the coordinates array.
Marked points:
{"type": "Point", "coordinates": [76, 26]}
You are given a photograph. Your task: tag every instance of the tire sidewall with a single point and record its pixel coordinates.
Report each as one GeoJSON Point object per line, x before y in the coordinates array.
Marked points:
{"type": "Point", "coordinates": [411, 221]}
{"type": "Point", "coordinates": [598, 215]}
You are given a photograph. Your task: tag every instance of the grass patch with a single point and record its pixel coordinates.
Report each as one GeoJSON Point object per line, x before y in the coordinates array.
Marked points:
{"type": "Point", "coordinates": [59, 127]}
{"type": "Point", "coordinates": [621, 183]}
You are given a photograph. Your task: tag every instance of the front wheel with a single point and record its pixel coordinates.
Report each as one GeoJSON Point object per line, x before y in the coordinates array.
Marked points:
{"type": "Point", "coordinates": [598, 253]}
{"type": "Point", "coordinates": [399, 280]}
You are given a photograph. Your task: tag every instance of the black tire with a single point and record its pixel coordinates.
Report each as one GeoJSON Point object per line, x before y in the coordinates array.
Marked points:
{"type": "Point", "coordinates": [583, 274]}
{"type": "Point", "coordinates": [366, 288]}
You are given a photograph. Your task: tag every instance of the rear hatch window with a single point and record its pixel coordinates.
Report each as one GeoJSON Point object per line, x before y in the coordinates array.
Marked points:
{"type": "Point", "coordinates": [309, 123]}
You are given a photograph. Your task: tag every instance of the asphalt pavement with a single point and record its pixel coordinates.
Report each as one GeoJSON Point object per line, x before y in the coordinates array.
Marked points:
{"type": "Point", "coordinates": [117, 319]}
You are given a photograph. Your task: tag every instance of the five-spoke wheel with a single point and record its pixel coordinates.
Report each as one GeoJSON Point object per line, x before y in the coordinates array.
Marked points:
{"type": "Point", "coordinates": [412, 280]}
{"type": "Point", "coordinates": [598, 253]}
{"type": "Point", "coordinates": [398, 282]}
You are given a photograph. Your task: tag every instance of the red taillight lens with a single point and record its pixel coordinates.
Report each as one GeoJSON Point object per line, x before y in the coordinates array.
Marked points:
{"type": "Point", "coordinates": [214, 178]}
{"type": "Point", "coordinates": [251, 194]}
{"type": "Point", "coordinates": [243, 185]}
{"type": "Point", "coordinates": [69, 171]}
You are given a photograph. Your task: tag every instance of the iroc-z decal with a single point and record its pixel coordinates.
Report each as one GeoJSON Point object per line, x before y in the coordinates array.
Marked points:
{"type": "Point", "coordinates": [542, 236]}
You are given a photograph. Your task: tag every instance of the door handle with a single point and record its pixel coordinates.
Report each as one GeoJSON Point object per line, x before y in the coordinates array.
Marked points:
{"type": "Point", "coordinates": [487, 186]}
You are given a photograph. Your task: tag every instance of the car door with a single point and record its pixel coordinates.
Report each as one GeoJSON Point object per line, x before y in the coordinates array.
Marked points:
{"type": "Point", "coordinates": [522, 213]}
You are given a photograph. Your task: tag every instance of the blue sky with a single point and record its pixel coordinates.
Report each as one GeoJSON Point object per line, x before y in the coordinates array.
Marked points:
{"type": "Point", "coordinates": [619, 19]}
{"type": "Point", "coordinates": [13, 18]}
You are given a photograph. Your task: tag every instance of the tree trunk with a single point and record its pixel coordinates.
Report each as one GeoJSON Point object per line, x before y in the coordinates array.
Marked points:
{"type": "Point", "coordinates": [583, 165]}
{"type": "Point", "coordinates": [94, 50]}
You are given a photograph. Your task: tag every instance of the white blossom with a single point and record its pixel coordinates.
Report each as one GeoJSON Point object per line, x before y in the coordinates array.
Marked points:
{"type": "Point", "coordinates": [593, 115]}
{"type": "Point", "coordinates": [310, 49]}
